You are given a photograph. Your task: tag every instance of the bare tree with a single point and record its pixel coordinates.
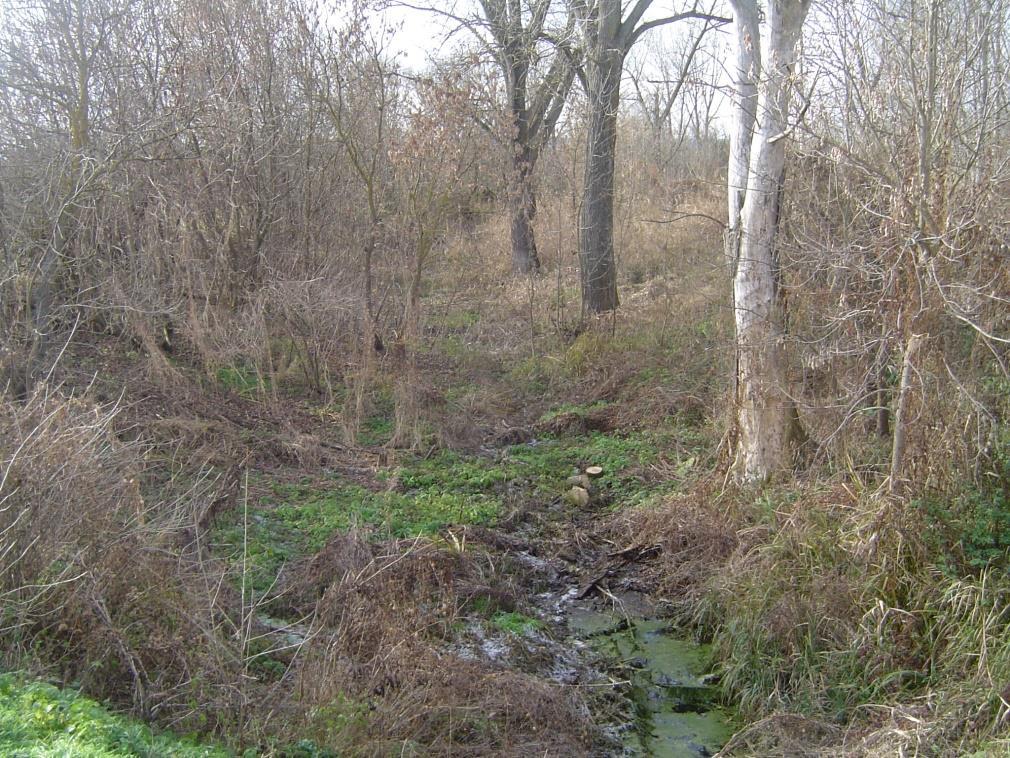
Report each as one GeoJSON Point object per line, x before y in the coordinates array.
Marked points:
{"type": "Point", "coordinates": [431, 169]}
{"type": "Point", "coordinates": [905, 153]}
{"type": "Point", "coordinates": [765, 411]}
{"type": "Point", "coordinates": [51, 63]}
{"type": "Point", "coordinates": [745, 70]}
{"type": "Point", "coordinates": [356, 86]}
{"type": "Point", "coordinates": [662, 76]}
{"type": "Point", "coordinates": [610, 31]}
{"type": "Point", "coordinates": [535, 53]}
{"type": "Point", "coordinates": [534, 110]}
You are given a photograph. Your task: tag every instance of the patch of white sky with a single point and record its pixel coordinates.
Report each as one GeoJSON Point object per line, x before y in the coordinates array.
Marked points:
{"type": "Point", "coordinates": [419, 37]}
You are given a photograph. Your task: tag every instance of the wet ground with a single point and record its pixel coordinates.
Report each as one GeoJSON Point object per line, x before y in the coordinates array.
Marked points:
{"type": "Point", "coordinates": [663, 676]}
{"type": "Point", "coordinates": [648, 686]}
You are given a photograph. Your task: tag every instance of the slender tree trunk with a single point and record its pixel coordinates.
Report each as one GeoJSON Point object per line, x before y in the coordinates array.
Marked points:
{"type": "Point", "coordinates": [880, 424]}
{"type": "Point", "coordinates": [407, 421]}
{"type": "Point", "coordinates": [896, 480]}
{"type": "Point", "coordinates": [610, 38]}
{"type": "Point", "coordinates": [368, 343]}
{"type": "Point", "coordinates": [523, 209]}
{"type": "Point", "coordinates": [596, 229]}
{"type": "Point", "coordinates": [746, 70]}
{"type": "Point", "coordinates": [515, 26]}
{"type": "Point", "coordinates": [766, 416]}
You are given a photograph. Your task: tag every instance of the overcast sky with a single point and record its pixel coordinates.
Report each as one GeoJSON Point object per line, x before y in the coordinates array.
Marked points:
{"type": "Point", "coordinates": [419, 36]}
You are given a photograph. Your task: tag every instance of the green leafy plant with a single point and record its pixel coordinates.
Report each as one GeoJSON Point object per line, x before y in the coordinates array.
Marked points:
{"type": "Point", "coordinates": [515, 622]}
{"type": "Point", "coordinates": [40, 720]}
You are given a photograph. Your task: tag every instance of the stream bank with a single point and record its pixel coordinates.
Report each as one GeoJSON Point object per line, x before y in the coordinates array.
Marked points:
{"type": "Point", "coordinates": [672, 697]}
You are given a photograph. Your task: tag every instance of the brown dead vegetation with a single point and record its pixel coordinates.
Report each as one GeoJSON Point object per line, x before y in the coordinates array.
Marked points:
{"type": "Point", "coordinates": [94, 589]}
{"type": "Point", "coordinates": [115, 593]}
{"type": "Point", "coordinates": [384, 609]}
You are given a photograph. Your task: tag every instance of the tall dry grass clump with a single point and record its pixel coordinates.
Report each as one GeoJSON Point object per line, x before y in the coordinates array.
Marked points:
{"type": "Point", "coordinates": [843, 623]}
{"type": "Point", "coordinates": [93, 586]}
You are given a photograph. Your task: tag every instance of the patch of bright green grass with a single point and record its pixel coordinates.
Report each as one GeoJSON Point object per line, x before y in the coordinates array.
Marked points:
{"type": "Point", "coordinates": [377, 427]}
{"type": "Point", "coordinates": [449, 472]}
{"type": "Point", "coordinates": [301, 518]}
{"type": "Point", "coordinates": [541, 467]}
{"type": "Point", "coordinates": [546, 463]}
{"type": "Point", "coordinates": [455, 320]}
{"type": "Point", "coordinates": [435, 492]}
{"type": "Point", "coordinates": [38, 720]}
{"type": "Point", "coordinates": [514, 622]}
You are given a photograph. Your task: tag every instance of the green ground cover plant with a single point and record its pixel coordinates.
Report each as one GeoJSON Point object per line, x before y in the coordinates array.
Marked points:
{"type": "Point", "coordinates": [39, 720]}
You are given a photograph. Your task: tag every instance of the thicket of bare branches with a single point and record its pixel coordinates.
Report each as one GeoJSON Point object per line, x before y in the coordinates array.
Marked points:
{"type": "Point", "coordinates": [259, 188]}
{"type": "Point", "coordinates": [897, 252]}
{"type": "Point", "coordinates": [224, 180]}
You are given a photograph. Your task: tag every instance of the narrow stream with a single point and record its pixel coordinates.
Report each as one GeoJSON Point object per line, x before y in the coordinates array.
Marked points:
{"type": "Point", "coordinates": [674, 706]}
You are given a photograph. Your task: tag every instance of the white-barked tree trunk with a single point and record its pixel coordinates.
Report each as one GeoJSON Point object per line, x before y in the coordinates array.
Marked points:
{"type": "Point", "coordinates": [765, 411]}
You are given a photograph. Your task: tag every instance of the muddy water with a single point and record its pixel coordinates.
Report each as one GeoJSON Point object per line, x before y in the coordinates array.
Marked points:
{"type": "Point", "coordinates": [673, 705]}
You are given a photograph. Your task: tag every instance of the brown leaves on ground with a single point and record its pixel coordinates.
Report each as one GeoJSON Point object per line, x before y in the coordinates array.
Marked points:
{"type": "Point", "coordinates": [386, 616]}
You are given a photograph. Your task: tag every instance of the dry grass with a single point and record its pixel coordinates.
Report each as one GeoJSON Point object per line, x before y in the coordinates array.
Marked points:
{"type": "Point", "coordinates": [837, 630]}
{"type": "Point", "coordinates": [93, 589]}
{"type": "Point", "coordinates": [118, 594]}
{"type": "Point", "coordinates": [386, 615]}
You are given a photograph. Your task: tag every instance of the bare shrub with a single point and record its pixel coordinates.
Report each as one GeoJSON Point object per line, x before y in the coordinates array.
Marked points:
{"type": "Point", "coordinates": [92, 588]}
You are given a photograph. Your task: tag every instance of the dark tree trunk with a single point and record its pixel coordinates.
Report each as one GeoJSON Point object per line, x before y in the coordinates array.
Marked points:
{"type": "Point", "coordinates": [523, 209]}
{"type": "Point", "coordinates": [596, 228]}
{"type": "Point", "coordinates": [516, 27]}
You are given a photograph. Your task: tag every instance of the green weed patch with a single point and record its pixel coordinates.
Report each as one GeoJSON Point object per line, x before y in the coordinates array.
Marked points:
{"type": "Point", "coordinates": [515, 623]}
{"type": "Point", "coordinates": [298, 520]}
{"type": "Point", "coordinates": [544, 464]}
{"type": "Point", "coordinates": [576, 410]}
{"type": "Point", "coordinates": [295, 521]}
{"type": "Point", "coordinates": [42, 721]}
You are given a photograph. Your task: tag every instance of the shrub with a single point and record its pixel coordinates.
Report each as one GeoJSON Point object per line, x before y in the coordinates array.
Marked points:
{"type": "Point", "coordinates": [93, 588]}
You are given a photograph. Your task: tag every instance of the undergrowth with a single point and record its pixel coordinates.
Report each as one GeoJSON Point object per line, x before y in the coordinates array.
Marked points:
{"type": "Point", "coordinates": [882, 626]}
{"type": "Point", "coordinates": [426, 495]}
{"type": "Point", "coordinates": [298, 520]}
{"type": "Point", "coordinates": [42, 721]}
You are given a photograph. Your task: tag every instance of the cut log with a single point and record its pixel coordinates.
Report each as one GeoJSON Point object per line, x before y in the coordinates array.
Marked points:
{"type": "Point", "coordinates": [594, 471]}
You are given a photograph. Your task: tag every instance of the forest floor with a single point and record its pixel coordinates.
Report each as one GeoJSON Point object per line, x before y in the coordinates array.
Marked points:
{"type": "Point", "coordinates": [273, 589]}
{"type": "Point", "coordinates": [468, 545]}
